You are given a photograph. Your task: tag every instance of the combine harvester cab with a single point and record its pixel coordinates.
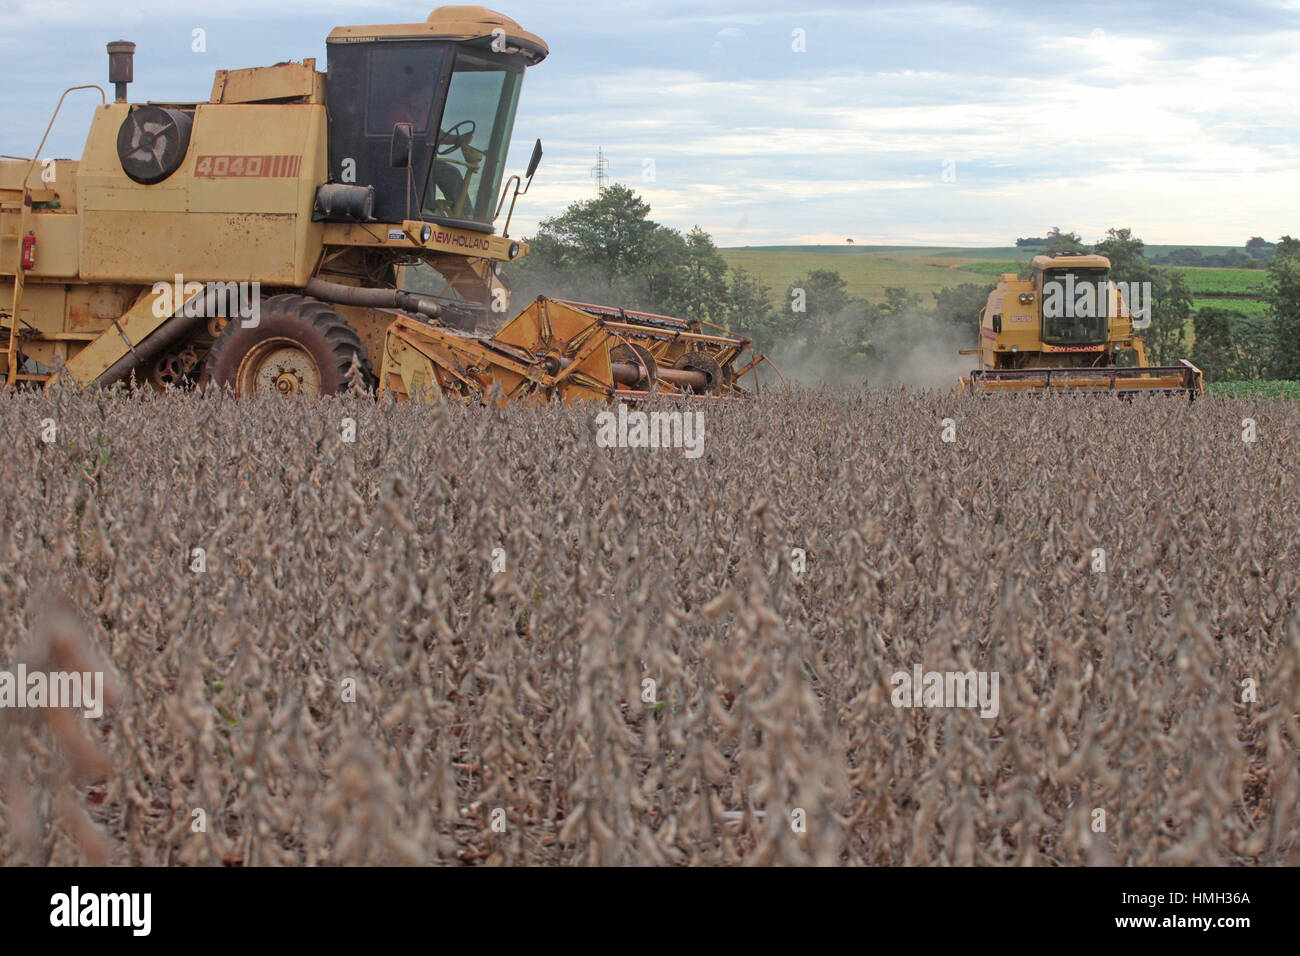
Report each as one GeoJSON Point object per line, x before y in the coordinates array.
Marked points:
{"type": "Point", "coordinates": [312, 196]}
{"type": "Point", "coordinates": [1070, 329]}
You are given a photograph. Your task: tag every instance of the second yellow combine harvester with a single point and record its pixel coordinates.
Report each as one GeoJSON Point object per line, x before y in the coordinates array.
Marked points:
{"type": "Point", "coordinates": [260, 240]}
{"type": "Point", "coordinates": [1070, 328]}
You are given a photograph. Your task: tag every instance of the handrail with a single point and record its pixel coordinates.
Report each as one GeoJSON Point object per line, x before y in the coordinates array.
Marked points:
{"type": "Point", "coordinates": [35, 156]}
{"type": "Point", "coordinates": [505, 192]}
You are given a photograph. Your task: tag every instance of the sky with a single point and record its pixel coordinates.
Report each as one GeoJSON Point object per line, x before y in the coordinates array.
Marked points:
{"type": "Point", "coordinates": [775, 123]}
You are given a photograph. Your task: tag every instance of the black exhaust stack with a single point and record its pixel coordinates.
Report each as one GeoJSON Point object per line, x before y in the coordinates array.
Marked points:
{"type": "Point", "coordinates": [121, 67]}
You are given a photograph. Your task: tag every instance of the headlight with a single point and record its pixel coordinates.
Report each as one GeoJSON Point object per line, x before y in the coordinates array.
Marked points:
{"type": "Point", "coordinates": [514, 249]}
{"type": "Point", "coordinates": [426, 233]}
{"type": "Point", "coordinates": [496, 268]}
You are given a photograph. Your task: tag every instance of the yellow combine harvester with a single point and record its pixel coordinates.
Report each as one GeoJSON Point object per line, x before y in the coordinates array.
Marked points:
{"type": "Point", "coordinates": [1070, 328]}
{"type": "Point", "coordinates": [260, 240]}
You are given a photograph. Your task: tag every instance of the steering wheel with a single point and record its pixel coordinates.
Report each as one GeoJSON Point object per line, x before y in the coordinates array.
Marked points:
{"type": "Point", "coordinates": [449, 140]}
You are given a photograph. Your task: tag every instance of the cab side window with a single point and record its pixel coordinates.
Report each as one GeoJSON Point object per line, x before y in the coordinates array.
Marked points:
{"type": "Point", "coordinates": [403, 80]}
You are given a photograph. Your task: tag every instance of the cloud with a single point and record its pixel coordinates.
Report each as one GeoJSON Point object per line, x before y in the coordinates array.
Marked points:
{"type": "Point", "coordinates": [971, 122]}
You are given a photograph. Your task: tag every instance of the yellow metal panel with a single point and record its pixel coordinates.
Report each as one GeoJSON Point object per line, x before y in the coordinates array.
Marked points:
{"type": "Point", "coordinates": [202, 247]}
{"type": "Point", "coordinates": [407, 373]}
{"type": "Point", "coordinates": [56, 245]}
{"type": "Point", "coordinates": [99, 355]}
{"type": "Point", "coordinates": [461, 242]}
{"type": "Point", "coordinates": [545, 324]}
{"type": "Point", "coordinates": [371, 325]}
{"type": "Point", "coordinates": [239, 208]}
{"type": "Point", "coordinates": [11, 173]}
{"type": "Point", "coordinates": [250, 157]}
{"type": "Point", "coordinates": [308, 235]}
{"type": "Point", "coordinates": [284, 81]}
{"type": "Point", "coordinates": [43, 305]}
{"type": "Point", "coordinates": [550, 325]}
{"type": "Point", "coordinates": [63, 187]}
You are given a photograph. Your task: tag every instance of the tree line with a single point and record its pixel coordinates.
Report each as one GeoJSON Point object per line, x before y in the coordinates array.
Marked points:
{"type": "Point", "coordinates": [1255, 254]}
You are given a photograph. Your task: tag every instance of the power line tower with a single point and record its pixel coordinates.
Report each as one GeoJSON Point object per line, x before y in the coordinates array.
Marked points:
{"type": "Point", "coordinates": [601, 170]}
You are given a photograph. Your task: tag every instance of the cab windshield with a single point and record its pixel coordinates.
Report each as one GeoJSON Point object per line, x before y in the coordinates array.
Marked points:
{"type": "Point", "coordinates": [1076, 305]}
{"type": "Point", "coordinates": [470, 151]}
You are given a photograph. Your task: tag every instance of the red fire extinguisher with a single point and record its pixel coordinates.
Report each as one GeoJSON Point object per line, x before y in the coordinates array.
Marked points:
{"type": "Point", "coordinates": [29, 251]}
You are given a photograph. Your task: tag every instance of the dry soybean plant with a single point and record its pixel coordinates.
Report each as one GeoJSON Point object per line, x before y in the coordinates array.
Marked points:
{"type": "Point", "coordinates": [475, 636]}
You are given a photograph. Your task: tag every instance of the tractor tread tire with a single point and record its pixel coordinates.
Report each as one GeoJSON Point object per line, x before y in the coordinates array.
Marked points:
{"type": "Point", "coordinates": [312, 324]}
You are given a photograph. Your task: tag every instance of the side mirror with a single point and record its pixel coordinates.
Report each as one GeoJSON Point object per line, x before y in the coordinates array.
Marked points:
{"type": "Point", "coordinates": [536, 158]}
{"type": "Point", "coordinates": [399, 149]}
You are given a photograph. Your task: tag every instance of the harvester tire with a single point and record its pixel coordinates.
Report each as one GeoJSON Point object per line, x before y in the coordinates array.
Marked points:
{"type": "Point", "coordinates": [299, 346]}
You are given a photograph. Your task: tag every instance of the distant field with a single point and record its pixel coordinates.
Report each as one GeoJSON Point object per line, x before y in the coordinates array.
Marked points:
{"type": "Point", "coordinates": [995, 269]}
{"type": "Point", "coordinates": [1264, 389]}
{"type": "Point", "coordinates": [869, 270]}
{"type": "Point", "coordinates": [1154, 251]}
{"type": "Point", "coordinates": [1223, 281]}
{"type": "Point", "coordinates": [1251, 307]}
{"type": "Point", "coordinates": [947, 252]}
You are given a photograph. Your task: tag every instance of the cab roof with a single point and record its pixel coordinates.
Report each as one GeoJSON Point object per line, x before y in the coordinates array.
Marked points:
{"type": "Point", "coordinates": [1088, 260]}
{"type": "Point", "coordinates": [457, 23]}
